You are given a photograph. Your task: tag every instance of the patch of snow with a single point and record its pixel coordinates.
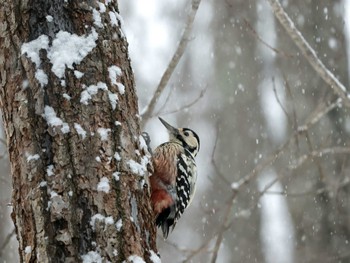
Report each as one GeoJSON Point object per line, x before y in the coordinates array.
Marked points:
{"type": "Point", "coordinates": [98, 159]}
{"type": "Point", "coordinates": [103, 132]}
{"type": "Point", "coordinates": [68, 49]}
{"type": "Point", "coordinates": [102, 7]}
{"type": "Point", "coordinates": [103, 185]}
{"type": "Point", "coordinates": [28, 249]}
{"type": "Point", "coordinates": [97, 18]}
{"type": "Point", "coordinates": [116, 176]}
{"type": "Point", "coordinates": [80, 130]}
{"type": "Point", "coordinates": [109, 220]}
{"type": "Point", "coordinates": [70, 193]}
{"type": "Point", "coordinates": [53, 121]}
{"type": "Point", "coordinates": [98, 217]}
{"type": "Point", "coordinates": [94, 218]}
{"type": "Point", "coordinates": [65, 128]}
{"type": "Point", "coordinates": [113, 18]}
{"type": "Point", "coordinates": [49, 18]}
{"type": "Point", "coordinates": [91, 90]}
{"type": "Point", "coordinates": [34, 157]}
{"type": "Point", "coordinates": [43, 184]}
{"type": "Point", "coordinates": [117, 123]}
{"type": "Point", "coordinates": [137, 168]}
{"type": "Point", "coordinates": [136, 259]}
{"type": "Point", "coordinates": [119, 224]}
{"type": "Point", "coordinates": [49, 170]}
{"type": "Point", "coordinates": [121, 88]}
{"type": "Point", "coordinates": [92, 257]}
{"type": "Point", "coordinates": [78, 74]}
{"type": "Point", "coordinates": [114, 73]}
{"type": "Point", "coordinates": [66, 96]}
{"type": "Point", "coordinates": [41, 76]}
{"type": "Point", "coordinates": [117, 157]}
{"type": "Point", "coordinates": [113, 100]}
{"type": "Point", "coordinates": [32, 48]}
{"type": "Point", "coordinates": [53, 194]}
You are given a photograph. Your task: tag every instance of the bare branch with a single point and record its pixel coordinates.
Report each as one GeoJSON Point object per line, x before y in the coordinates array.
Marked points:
{"type": "Point", "coordinates": [174, 61]}
{"type": "Point", "coordinates": [197, 251]}
{"type": "Point", "coordinates": [309, 53]}
{"type": "Point", "coordinates": [319, 154]}
{"type": "Point", "coordinates": [191, 252]}
{"type": "Point", "coordinates": [318, 113]}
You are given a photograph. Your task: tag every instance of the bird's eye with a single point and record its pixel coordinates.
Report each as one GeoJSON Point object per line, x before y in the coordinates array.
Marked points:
{"type": "Point", "coordinates": [186, 133]}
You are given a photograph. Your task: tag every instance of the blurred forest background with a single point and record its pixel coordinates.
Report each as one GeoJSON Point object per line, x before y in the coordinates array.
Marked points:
{"type": "Point", "coordinates": [274, 166]}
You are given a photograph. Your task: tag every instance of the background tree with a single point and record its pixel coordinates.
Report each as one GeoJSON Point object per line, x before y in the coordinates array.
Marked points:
{"type": "Point", "coordinates": [78, 162]}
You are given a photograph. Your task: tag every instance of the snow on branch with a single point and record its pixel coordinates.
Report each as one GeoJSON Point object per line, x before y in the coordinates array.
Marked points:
{"type": "Point", "coordinates": [309, 53]}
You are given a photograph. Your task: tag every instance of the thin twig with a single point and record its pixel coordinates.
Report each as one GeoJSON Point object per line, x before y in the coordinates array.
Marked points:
{"type": "Point", "coordinates": [164, 104]}
{"type": "Point", "coordinates": [223, 226]}
{"type": "Point", "coordinates": [295, 118]}
{"type": "Point", "coordinates": [197, 251]}
{"type": "Point", "coordinates": [187, 105]}
{"type": "Point", "coordinates": [216, 167]}
{"type": "Point", "coordinates": [279, 52]}
{"type": "Point", "coordinates": [279, 101]}
{"type": "Point", "coordinates": [309, 53]}
{"type": "Point", "coordinates": [311, 149]}
{"type": "Point", "coordinates": [173, 63]}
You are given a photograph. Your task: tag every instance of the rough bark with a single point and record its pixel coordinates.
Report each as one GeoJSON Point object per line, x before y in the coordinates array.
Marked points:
{"type": "Point", "coordinates": [59, 212]}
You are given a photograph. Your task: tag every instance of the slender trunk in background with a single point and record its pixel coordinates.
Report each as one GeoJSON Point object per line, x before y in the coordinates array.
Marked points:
{"type": "Point", "coordinates": [71, 118]}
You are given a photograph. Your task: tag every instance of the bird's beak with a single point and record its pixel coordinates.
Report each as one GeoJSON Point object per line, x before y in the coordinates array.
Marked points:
{"type": "Point", "coordinates": [170, 128]}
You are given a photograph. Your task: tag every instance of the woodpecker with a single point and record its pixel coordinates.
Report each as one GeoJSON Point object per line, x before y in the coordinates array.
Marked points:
{"type": "Point", "coordinates": [173, 181]}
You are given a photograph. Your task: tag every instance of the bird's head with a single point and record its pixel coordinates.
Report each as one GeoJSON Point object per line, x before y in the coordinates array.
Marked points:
{"type": "Point", "coordinates": [184, 136]}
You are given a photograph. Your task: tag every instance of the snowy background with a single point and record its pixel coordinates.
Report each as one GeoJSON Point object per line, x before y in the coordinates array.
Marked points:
{"type": "Point", "coordinates": [259, 90]}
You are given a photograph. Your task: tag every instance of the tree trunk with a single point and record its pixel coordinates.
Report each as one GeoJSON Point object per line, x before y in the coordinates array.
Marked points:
{"type": "Point", "coordinates": [79, 165]}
